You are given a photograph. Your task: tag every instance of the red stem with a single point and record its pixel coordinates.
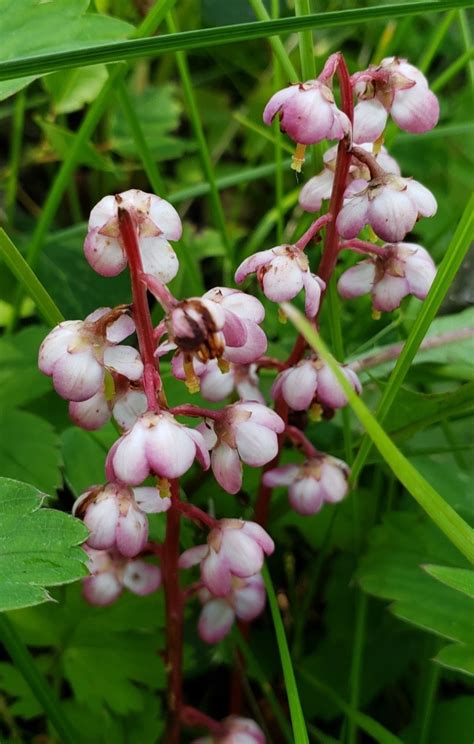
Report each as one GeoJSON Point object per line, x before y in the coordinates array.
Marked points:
{"type": "Point", "coordinates": [300, 439]}
{"type": "Point", "coordinates": [188, 409]}
{"type": "Point", "coordinates": [194, 512]}
{"type": "Point", "coordinates": [141, 311]}
{"type": "Point", "coordinates": [193, 717]}
{"type": "Point", "coordinates": [174, 608]}
{"type": "Point", "coordinates": [376, 170]}
{"type": "Point", "coordinates": [364, 247]}
{"type": "Point", "coordinates": [312, 230]}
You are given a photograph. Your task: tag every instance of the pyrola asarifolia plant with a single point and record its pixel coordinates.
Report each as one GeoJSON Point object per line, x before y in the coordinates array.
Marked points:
{"type": "Point", "coordinates": [218, 347]}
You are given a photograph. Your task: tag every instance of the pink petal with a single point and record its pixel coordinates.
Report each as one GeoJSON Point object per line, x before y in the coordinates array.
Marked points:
{"type": "Point", "coordinates": [277, 101]}
{"type": "Point", "coordinates": [415, 109]}
{"type": "Point", "coordinates": [422, 198]}
{"type": "Point", "coordinates": [150, 501]}
{"type": "Point", "coordinates": [392, 214]}
{"type": "Point", "coordinates": [128, 458]}
{"type": "Point", "coordinates": [308, 117]}
{"type": "Point", "coordinates": [169, 449]}
{"type": "Point", "coordinates": [257, 533]}
{"type": "Point", "coordinates": [104, 210]}
{"type": "Point", "coordinates": [252, 263]}
{"type": "Point", "coordinates": [227, 468]}
{"type": "Point", "coordinates": [299, 386]}
{"type": "Point", "coordinates": [125, 360]}
{"type": "Point", "coordinates": [357, 281]}
{"type": "Point", "coordinates": [101, 519]}
{"type": "Point", "coordinates": [215, 573]}
{"type": "Point", "coordinates": [314, 286]}
{"type": "Point", "coordinates": [370, 118]}
{"type": "Point", "coordinates": [56, 344]}
{"type": "Point", "coordinates": [329, 391]}
{"type": "Point", "coordinates": [102, 589]}
{"type": "Point", "coordinates": [235, 330]}
{"type": "Point", "coordinates": [245, 306]}
{"type": "Point", "coordinates": [243, 554]}
{"type": "Point", "coordinates": [256, 444]}
{"type": "Point", "coordinates": [78, 376]}
{"type": "Point", "coordinates": [90, 414]}
{"type": "Point", "coordinates": [249, 601]}
{"type": "Point", "coordinates": [333, 483]}
{"type": "Point", "coordinates": [315, 190]}
{"type": "Point", "coordinates": [142, 578]}
{"type": "Point", "coordinates": [129, 407]}
{"type": "Point", "coordinates": [193, 556]}
{"type": "Point", "coordinates": [202, 450]}
{"type": "Point", "coordinates": [254, 347]}
{"type": "Point", "coordinates": [353, 216]}
{"type": "Point", "coordinates": [305, 496]}
{"type": "Point", "coordinates": [104, 253]}
{"type": "Point", "coordinates": [158, 258]}
{"type": "Point", "coordinates": [216, 385]}
{"type": "Point", "coordinates": [263, 415]}
{"type": "Point", "coordinates": [132, 532]}
{"type": "Point", "coordinates": [389, 292]}
{"type": "Point", "coordinates": [165, 216]}
{"type": "Point", "coordinates": [120, 329]}
{"type": "Point", "coordinates": [215, 621]}
{"type": "Point", "coordinates": [282, 476]}
{"type": "Point", "coordinates": [283, 280]}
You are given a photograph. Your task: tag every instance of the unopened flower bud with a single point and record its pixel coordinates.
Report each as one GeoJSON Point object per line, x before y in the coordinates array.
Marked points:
{"type": "Point", "coordinates": [245, 601]}
{"type": "Point", "coordinates": [111, 573]}
{"type": "Point", "coordinates": [312, 380]}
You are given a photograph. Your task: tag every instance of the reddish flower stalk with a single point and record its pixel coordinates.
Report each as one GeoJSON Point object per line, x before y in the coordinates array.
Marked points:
{"type": "Point", "coordinates": [194, 512]}
{"type": "Point", "coordinates": [193, 717]}
{"type": "Point", "coordinates": [188, 409]}
{"type": "Point", "coordinates": [364, 247]}
{"type": "Point", "coordinates": [296, 436]}
{"type": "Point", "coordinates": [174, 601]}
{"type": "Point", "coordinates": [141, 312]}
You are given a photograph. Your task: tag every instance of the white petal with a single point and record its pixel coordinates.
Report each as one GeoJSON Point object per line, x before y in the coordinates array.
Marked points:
{"type": "Point", "coordinates": [353, 216]}
{"type": "Point", "coordinates": [129, 407]}
{"type": "Point", "coordinates": [125, 360]}
{"type": "Point", "coordinates": [299, 386]}
{"type": "Point", "coordinates": [216, 620]}
{"type": "Point", "coordinates": [227, 467]}
{"type": "Point", "coordinates": [423, 199]}
{"type": "Point", "coordinates": [90, 414]}
{"type": "Point", "coordinates": [165, 216]}
{"type": "Point", "coordinates": [169, 449]}
{"type": "Point", "coordinates": [158, 259]}
{"type": "Point", "coordinates": [370, 118]}
{"type": "Point", "coordinates": [141, 578]}
{"type": "Point", "coordinates": [389, 292]}
{"type": "Point", "coordinates": [315, 190]}
{"type": "Point", "coordinates": [282, 476]}
{"type": "Point", "coordinates": [150, 501]}
{"type": "Point", "coordinates": [193, 556]}
{"type": "Point", "coordinates": [78, 376]}
{"type": "Point", "coordinates": [283, 280]}
{"type": "Point", "coordinates": [256, 444]}
{"type": "Point", "coordinates": [129, 460]}
{"type": "Point", "coordinates": [120, 329]}
{"type": "Point", "coordinates": [357, 281]}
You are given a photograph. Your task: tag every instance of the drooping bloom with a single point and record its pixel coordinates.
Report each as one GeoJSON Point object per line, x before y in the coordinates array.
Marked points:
{"type": "Point", "coordinates": [235, 548]}
{"type": "Point", "coordinates": [394, 87]}
{"type": "Point", "coordinates": [311, 380]}
{"type": "Point", "coordinates": [307, 112]}
{"type": "Point", "coordinates": [245, 601]}
{"type": "Point", "coordinates": [217, 384]}
{"type": "Point", "coordinates": [77, 353]}
{"type": "Point", "coordinates": [282, 272]}
{"type": "Point", "coordinates": [245, 342]}
{"type": "Point", "coordinates": [111, 573]}
{"type": "Point", "coordinates": [244, 432]}
{"type": "Point", "coordinates": [406, 268]}
{"type": "Point", "coordinates": [126, 405]}
{"type": "Point", "coordinates": [195, 326]}
{"type": "Point", "coordinates": [158, 444]}
{"type": "Point", "coordinates": [323, 479]}
{"type": "Point", "coordinates": [320, 187]}
{"type": "Point", "coordinates": [236, 730]}
{"type": "Point", "coordinates": [156, 222]}
{"type": "Point", "coordinates": [116, 516]}
{"type": "Point", "coordinates": [391, 205]}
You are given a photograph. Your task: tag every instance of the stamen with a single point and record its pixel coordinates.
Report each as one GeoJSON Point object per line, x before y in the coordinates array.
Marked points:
{"type": "Point", "coordinates": [298, 158]}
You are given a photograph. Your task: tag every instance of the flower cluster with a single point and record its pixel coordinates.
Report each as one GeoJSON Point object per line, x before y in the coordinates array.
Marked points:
{"type": "Point", "coordinates": [216, 344]}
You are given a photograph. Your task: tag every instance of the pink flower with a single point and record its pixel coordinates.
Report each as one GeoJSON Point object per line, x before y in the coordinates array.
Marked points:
{"type": "Point", "coordinates": [115, 516]}
{"type": "Point", "coordinates": [406, 269]}
{"type": "Point", "coordinates": [245, 601]}
{"type": "Point", "coordinates": [217, 385]}
{"type": "Point", "coordinates": [310, 380]}
{"type": "Point", "coordinates": [394, 87]}
{"type": "Point", "coordinates": [157, 444]}
{"type": "Point", "coordinates": [156, 221]}
{"type": "Point", "coordinates": [308, 113]}
{"type": "Point", "coordinates": [282, 272]}
{"type": "Point", "coordinates": [77, 353]}
{"type": "Point", "coordinates": [234, 548]}
{"type": "Point", "coordinates": [111, 572]}
{"type": "Point", "coordinates": [320, 187]}
{"type": "Point", "coordinates": [236, 730]}
{"type": "Point", "coordinates": [311, 484]}
{"type": "Point", "coordinates": [245, 342]}
{"type": "Point", "coordinates": [246, 431]}
{"type": "Point", "coordinates": [195, 326]}
{"type": "Point", "coordinates": [126, 405]}
{"type": "Point", "coordinates": [391, 205]}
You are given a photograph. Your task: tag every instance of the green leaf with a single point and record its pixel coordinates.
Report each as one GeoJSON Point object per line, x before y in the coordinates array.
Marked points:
{"type": "Point", "coordinates": [84, 459]}
{"type": "Point", "coordinates": [202, 38]}
{"type": "Point", "coordinates": [452, 722]}
{"type": "Point", "coordinates": [461, 579]}
{"type": "Point", "coordinates": [37, 546]}
{"type": "Point", "coordinates": [20, 380]}
{"type": "Point", "coordinates": [457, 656]}
{"type": "Point", "coordinates": [70, 90]}
{"type": "Point", "coordinates": [13, 683]}
{"type": "Point", "coordinates": [29, 450]}
{"type": "Point", "coordinates": [30, 28]}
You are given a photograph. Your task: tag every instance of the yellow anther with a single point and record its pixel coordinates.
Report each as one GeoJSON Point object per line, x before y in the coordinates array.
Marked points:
{"type": "Point", "coordinates": [191, 380]}
{"type": "Point", "coordinates": [298, 158]}
{"type": "Point", "coordinates": [281, 316]}
{"type": "Point", "coordinates": [223, 365]}
{"type": "Point", "coordinates": [164, 487]}
{"type": "Point", "coordinates": [109, 385]}
{"type": "Point", "coordinates": [315, 413]}
{"type": "Point", "coordinates": [376, 314]}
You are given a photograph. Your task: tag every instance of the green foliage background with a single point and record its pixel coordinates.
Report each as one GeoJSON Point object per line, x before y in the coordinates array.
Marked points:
{"type": "Point", "coordinates": [376, 601]}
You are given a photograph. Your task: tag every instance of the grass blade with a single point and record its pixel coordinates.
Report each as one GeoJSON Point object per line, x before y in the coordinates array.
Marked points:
{"type": "Point", "coordinates": [444, 277]}
{"type": "Point", "coordinates": [29, 281]}
{"type": "Point", "coordinates": [205, 38]}
{"type": "Point", "coordinates": [442, 514]}
{"type": "Point", "coordinates": [300, 733]}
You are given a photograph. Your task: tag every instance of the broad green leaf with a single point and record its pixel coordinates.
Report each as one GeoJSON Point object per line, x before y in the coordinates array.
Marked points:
{"type": "Point", "coordinates": [29, 450]}
{"type": "Point", "coordinates": [14, 684]}
{"type": "Point", "coordinates": [30, 28]}
{"type": "Point", "coordinates": [393, 569]}
{"type": "Point", "coordinates": [84, 459]}
{"type": "Point", "coordinates": [20, 379]}
{"type": "Point", "coordinates": [38, 546]}
{"type": "Point", "coordinates": [461, 579]}
{"type": "Point", "coordinates": [452, 723]}
{"type": "Point", "coordinates": [457, 656]}
{"type": "Point", "coordinates": [70, 90]}
{"type": "Point", "coordinates": [62, 141]}
{"type": "Point", "coordinates": [109, 657]}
